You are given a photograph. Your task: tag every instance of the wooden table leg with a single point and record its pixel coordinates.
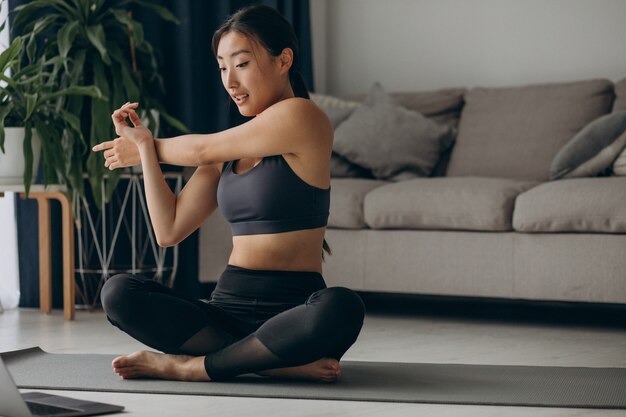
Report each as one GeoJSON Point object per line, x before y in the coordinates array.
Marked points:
{"type": "Point", "coordinates": [45, 268]}
{"type": "Point", "coordinates": [69, 285]}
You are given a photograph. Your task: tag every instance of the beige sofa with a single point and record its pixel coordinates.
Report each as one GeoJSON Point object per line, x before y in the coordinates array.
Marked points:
{"type": "Point", "coordinates": [493, 225]}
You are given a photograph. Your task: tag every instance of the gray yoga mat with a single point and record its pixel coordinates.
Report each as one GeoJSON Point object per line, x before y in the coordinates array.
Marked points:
{"type": "Point", "coordinates": [537, 386]}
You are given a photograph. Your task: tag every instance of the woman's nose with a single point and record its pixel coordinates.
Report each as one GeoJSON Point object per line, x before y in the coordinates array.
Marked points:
{"type": "Point", "coordinates": [231, 79]}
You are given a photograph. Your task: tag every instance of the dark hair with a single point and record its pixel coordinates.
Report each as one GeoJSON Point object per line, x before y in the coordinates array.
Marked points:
{"type": "Point", "coordinates": [274, 33]}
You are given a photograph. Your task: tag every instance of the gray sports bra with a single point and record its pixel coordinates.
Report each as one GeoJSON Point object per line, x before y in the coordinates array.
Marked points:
{"type": "Point", "coordinates": [270, 198]}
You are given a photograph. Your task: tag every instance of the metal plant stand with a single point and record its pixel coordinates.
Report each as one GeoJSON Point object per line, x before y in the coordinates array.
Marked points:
{"type": "Point", "coordinates": [119, 238]}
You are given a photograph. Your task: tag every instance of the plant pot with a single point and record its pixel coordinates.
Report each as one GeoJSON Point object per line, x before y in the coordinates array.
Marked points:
{"type": "Point", "coordinates": [12, 161]}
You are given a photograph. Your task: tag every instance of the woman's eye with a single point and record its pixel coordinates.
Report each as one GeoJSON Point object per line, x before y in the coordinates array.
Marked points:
{"type": "Point", "coordinates": [243, 64]}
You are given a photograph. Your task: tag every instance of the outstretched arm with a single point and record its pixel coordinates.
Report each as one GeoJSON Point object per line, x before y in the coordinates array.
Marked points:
{"type": "Point", "coordinates": [173, 218]}
{"type": "Point", "coordinates": [286, 127]}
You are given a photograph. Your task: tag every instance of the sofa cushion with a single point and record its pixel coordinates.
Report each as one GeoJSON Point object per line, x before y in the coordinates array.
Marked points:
{"type": "Point", "coordinates": [442, 106]}
{"type": "Point", "coordinates": [335, 108]}
{"type": "Point", "coordinates": [619, 165]}
{"type": "Point", "coordinates": [394, 143]}
{"type": "Point", "coordinates": [573, 205]}
{"type": "Point", "coordinates": [620, 95]}
{"type": "Point", "coordinates": [593, 149]}
{"type": "Point", "coordinates": [444, 203]}
{"type": "Point", "coordinates": [337, 111]}
{"type": "Point", "coordinates": [346, 201]}
{"type": "Point", "coordinates": [340, 167]}
{"type": "Point", "coordinates": [516, 132]}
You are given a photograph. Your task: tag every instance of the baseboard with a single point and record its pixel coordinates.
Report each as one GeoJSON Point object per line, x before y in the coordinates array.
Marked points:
{"type": "Point", "coordinates": [564, 313]}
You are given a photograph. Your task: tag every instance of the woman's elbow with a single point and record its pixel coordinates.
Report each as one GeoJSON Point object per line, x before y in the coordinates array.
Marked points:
{"type": "Point", "coordinates": [166, 241]}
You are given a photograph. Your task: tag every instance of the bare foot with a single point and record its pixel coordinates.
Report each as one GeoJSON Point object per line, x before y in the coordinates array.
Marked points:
{"type": "Point", "coordinates": [159, 365]}
{"type": "Point", "coordinates": [325, 370]}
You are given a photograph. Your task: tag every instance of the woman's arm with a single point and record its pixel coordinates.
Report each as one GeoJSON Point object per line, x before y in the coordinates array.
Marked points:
{"type": "Point", "coordinates": [288, 126]}
{"type": "Point", "coordinates": [173, 218]}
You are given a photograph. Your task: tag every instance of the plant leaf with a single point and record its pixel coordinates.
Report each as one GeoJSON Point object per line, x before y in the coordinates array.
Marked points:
{"type": "Point", "coordinates": [136, 27]}
{"type": "Point", "coordinates": [25, 11]}
{"type": "Point", "coordinates": [4, 111]}
{"type": "Point", "coordinates": [42, 25]}
{"type": "Point", "coordinates": [81, 90]}
{"type": "Point", "coordinates": [95, 34]}
{"type": "Point", "coordinates": [31, 103]}
{"type": "Point", "coordinates": [9, 55]}
{"type": "Point", "coordinates": [65, 37]}
{"type": "Point", "coordinates": [31, 48]}
{"type": "Point", "coordinates": [73, 121]}
{"type": "Point", "coordinates": [162, 11]}
{"type": "Point", "coordinates": [132, 91]}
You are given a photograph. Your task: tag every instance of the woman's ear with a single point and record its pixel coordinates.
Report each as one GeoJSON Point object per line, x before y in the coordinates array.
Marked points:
{"type": "Point", "coordinates": [286, 60]}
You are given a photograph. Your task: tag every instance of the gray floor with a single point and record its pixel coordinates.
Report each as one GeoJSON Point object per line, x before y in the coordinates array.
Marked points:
{"type": "Point", "coordinates": [386, 336]}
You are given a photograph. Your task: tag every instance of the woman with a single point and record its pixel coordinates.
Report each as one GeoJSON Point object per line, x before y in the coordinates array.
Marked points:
{"type": "Point", "coordinates": [271, 312]}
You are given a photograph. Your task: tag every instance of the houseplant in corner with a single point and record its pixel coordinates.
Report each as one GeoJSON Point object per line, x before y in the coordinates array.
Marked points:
{"type": "Point", "coordinates": [30, 119]}
{"type": "Point", "coordinates": [104, 46]}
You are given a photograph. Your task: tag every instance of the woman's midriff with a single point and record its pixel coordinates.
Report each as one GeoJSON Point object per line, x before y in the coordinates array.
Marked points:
{"type": "Point", "coordinates": [298, 250]}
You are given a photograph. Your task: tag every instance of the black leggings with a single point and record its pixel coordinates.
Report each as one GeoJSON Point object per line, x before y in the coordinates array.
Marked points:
{"type": "Point", "coordinates": [255, 320]}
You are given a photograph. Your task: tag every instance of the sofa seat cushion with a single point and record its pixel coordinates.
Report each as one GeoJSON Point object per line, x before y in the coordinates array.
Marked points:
{"type": "Point", "coordinates": [444, 203]}
{"type": "Point", "coordinates": [592, 205]}
{"type": "Point", "coordinates": [346, 201]}
{"type": "Point", "coordinates": [515, 132]}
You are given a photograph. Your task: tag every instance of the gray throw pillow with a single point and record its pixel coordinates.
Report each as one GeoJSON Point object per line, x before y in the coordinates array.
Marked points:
{"type": "Point", "coordinates": [393, 142]}
{"type": "Point", "coordinates": [335, 108]}
{"type": "Point", "coordinates": [592, 150]}
{"type": "Point", "coordinates": [340, 167]}
{"type": "Point", "coordinates": [619, 166]}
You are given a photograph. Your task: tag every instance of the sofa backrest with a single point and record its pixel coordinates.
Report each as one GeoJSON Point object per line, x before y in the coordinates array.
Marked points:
{"type": "Point", "coordinates": [515, 132]}
{"type": "Point", "coordinates": [443, 106]}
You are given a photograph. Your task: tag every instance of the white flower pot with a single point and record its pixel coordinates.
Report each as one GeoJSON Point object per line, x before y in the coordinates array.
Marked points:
{"type": "Point", "coordinates": [12, 161]}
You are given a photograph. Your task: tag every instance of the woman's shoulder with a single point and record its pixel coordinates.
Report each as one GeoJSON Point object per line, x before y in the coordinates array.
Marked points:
{"type": "Point", "coordinates": [302, 109]}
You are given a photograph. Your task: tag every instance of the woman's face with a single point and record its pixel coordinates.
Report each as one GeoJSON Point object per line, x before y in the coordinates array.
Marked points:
{"type": "Point", "coordinates": [254, 79]}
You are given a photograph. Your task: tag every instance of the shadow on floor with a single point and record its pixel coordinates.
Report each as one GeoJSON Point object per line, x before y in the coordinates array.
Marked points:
{"type": "Point", "coordinates": [498, 310]}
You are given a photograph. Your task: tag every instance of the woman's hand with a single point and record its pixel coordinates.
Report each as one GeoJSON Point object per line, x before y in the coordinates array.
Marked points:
{"type": "Point", "coordinates": [119, 153]}
{"type": "Point", "coordinates": [124, 151]}
{"type": "Point", "coordinates": [139, 134]}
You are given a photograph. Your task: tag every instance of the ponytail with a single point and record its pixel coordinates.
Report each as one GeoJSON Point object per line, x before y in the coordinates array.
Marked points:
{"type": "Point", "coordinates": [298, 85]}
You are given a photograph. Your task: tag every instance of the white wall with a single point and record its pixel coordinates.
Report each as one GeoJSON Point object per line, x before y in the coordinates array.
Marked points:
{"type": "Point", "coordinates": [9, 273]}
{"type": "Point", "coordinates": [427, 44]}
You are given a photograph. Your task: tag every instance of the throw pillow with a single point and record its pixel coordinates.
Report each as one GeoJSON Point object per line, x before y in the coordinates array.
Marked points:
{"type": "Point", "coordinates": [335, 108]}
{"type": "Point", "coordinates": [393, 142]}
{"type": "Point", "coordinates": [340, 167]}
{"type": "Point", "coordinates": [593, 149]}
{"type": "Point", "coordinates": [337, 111]}
{"type": "Point", "coordinates": [619, 166]}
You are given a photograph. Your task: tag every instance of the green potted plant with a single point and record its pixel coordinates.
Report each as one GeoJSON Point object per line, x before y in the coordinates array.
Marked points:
{"type": "Point", "coordinates": [30, 116]}
{"type": "Point", "coordinates": [102, 45]}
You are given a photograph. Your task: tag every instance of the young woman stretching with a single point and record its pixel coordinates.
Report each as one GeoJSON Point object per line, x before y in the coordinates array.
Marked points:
{"type": "Point", "coordinates": [271, 312]}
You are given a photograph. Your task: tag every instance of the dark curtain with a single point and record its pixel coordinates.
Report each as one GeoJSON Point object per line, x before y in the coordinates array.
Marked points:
{"type": "Point", "coordinates": [193, 93]}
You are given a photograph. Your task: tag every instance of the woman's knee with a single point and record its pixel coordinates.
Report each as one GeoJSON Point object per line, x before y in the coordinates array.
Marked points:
{"type": "Point", "coordinates": [116, 290]}
{"type": "Point", "coordinates": [341, 305]}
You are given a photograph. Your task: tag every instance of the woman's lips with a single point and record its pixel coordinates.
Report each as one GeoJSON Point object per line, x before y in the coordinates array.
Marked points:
{"type": "Point", "coordinates": [241, 98]}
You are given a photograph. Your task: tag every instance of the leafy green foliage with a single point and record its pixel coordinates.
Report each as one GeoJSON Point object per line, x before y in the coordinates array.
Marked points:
{"type": "Point", "coordinates": [29, 99]}
{"type": "Point", "coordinates": [95, 43]}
